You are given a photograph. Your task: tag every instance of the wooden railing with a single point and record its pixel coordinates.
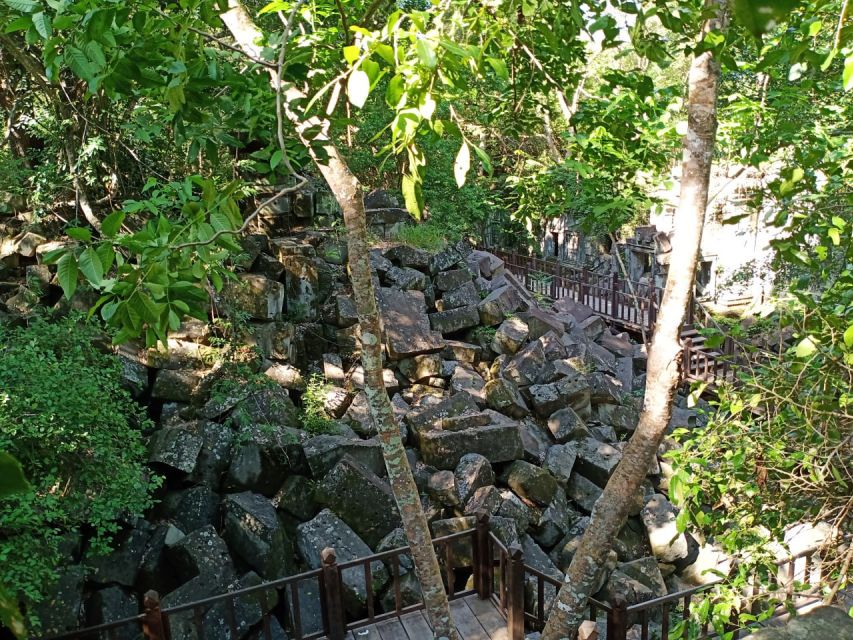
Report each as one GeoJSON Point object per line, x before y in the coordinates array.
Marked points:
{"type": "Point", "coordinates": [627, 303]}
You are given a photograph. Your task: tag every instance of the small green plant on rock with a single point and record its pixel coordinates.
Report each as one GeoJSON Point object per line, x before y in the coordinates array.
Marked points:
{"type": "Point", "coordinates": [314, 417]}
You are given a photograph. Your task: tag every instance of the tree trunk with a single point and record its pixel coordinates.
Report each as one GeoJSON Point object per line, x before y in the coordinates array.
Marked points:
{"type": "Point", "coordinates": [612, 509]}
{"type": "Point", "coordinates": [347, 191]}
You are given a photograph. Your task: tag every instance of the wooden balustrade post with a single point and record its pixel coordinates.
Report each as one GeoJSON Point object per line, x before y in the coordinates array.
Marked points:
{"type": "Point", "coordinates": [617, 619]}
{"type": "Point", "coordinates": [336, 626]}
{"type": "Point", "coordinates": [653, 307]}
{"type": "Point", "coordinates": [483, 561]}
{"type": "Point", "coordinates": [515, 597]}
{"type": "Point", "coordinates": [614, 308]}
{"type": "Point", "coordinates": [153, 627]}
{"type": "Point", "coordinates": [686, 357]}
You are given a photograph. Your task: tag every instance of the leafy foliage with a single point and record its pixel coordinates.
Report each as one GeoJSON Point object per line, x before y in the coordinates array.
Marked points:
{"type": "Point", "coordinates": [77, 432]}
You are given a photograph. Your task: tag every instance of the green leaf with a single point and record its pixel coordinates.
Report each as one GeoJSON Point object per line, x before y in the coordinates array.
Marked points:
{"type": "Point", "coordinates": [79, 233]}
{"type": "Point", "coordinates": [79, 63]}
{"type": "Point", "coordinates": [847, 75]}
{"type": "Point", "coordinates": [426, 53]}
{"type": "Point", "coordinates": [43, 25]}
{"type": "Point", "coordinates": [499, 67]}
{"type": "Point", "coordinates": [358, 88]}
{"type": "Point", "coordinates": [462, 164]}
{"type": "Point", "coordinates": [275, 159]}
{"type": "Point", "coordinates": [761, 16]}
{"type": "Point", "coordinates": [90, 266]}
{"type": "Point", "coordinates": [66, 270]}
{"type": "Point", "coordinates": [24, 6]}
{"type": "Point", "coordinates": [95, 52]}
{"type": "Point", "coordinates": [834, 235]}
{"type": "Point", "coordinates": [805, 348]}
{"type": "Point", "coordinates": [351, 54]}
{"type": "Point", "coordinates": [21, 23]}
{"type": "Point", "coordinates": [12, 478]}
{"type": "Point", "coordinates": [112, 223]}
{"type": "Point", "coordinates": [412, 195]}
{"type": "Point", "coordinates": [848, 336]}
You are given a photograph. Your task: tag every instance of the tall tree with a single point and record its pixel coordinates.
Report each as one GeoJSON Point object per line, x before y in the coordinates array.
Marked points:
{"type": "Point", "coordinates": [347, 191]}
{"type": "Point", "coordinates": [612, 509]}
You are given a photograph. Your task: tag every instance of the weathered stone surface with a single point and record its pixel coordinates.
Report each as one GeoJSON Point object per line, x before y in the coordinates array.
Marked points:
{"type": "Point", "coordinates": [62, 606]}
{"type": "Point", "coordinates": [560, 461]}
{"type": "Point", "coordinates": [327, 530]}
{"type": "Point", "coordinates": [410, 593]}
{"type": "Point", "coordinates": [513, 508]}
{"type": "Point", "coordinates": [421, 367]}
{"type": "Point", "coordinates": [254, 533]}
{"type": "Point", "coordinates": [497, 443]}
{"type": "Point", "coordinates": [593, 327]}
{"type": "Point", "coordinates": [249, 610]}
{"type": "Point", "coordinates": [296, 497]}
{"type": "Point", "coordinates": [323, 452]}
{"type": "Point", "coordinates": [604, 388]}
{"type": "Point", "coordinates": [176, 385]}
{"type": "Point", "coordinates": [430, 415]}
{"type": "Point", "coordinates": [510, 336]}
{"type": "Point", "coordinates": [175, 449]}
{"type": "Point", "coordinates": [566, 425]}
{"type": "Point", "coordinates": [406, 278]}
{"type": "Point", "coordinates": [191, 509]}
{"type": "Point", "coordinates": [553, 521]}
{"type": "Point", "coordinates": [531, 482]}
{"type": "Point", "coordinates": [397, 540]}
{"type": "Point", "coordinates": [441, 486]}
{"type": "Point", "coordinates": [200, 554]}
{"type": "Point", "coordinates": [406, 325]}
{"type": "Point", "coordinates": [596, 460]}
{"type": "Point", "coordinates": [583, 492]}
{"type": "Point", "coordinates": [453, 320]}
{"type": "Point", "coordinates": [110, 605]}
{"type": "Point", "coordinates": [285, 375]}
{"type": "Point", "coordinates": [503, 395]}
{"type": "Point", "coordinates": [263, 456]}
{"type": "Point", "coordinates": [484, 500]}
{"type": "Point", "coordinates": [255, 295]}
{"type": "Point", "coordinates": [577, 310]}
{"type": "Point", "coordinates": [460, 550]}
{"type": "Point", "coordinates": [466, 380]}
{"type": "Point", "coordinates": [361, 499]}
{"type": "Point", "coordinates": [622, 418]}
{"type": "Point", "coordinates": [407, 256]}
{"type": "Point", "coordinates": [449, 280]}
{"type": "Point", "coordinates": [535, 439]}
{"type": "Point", "coordinates": [526, 366]}
{"type": "Point", "coordinates": [668, 545]}
{"type": "Point", "coordinates": [472, 472]}
{"type": "Point", "coordinates": [817, 624]}
{"type": "Point", "coordinates": [494, 307]}
{"type": "Point", "coordinates": [121, 566]}
{"type": "Point", "coordinates": [462, 351]}
{"type": "Point", "coordinates": [465, 295]}
{"type": "Point", "coordinates": [535, 557]}
{"type": "Point", "coordinates": [540, 322]}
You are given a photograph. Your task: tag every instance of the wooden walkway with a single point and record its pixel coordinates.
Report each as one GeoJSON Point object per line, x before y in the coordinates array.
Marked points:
{"type": "Point", "coordinates": [475, 620]}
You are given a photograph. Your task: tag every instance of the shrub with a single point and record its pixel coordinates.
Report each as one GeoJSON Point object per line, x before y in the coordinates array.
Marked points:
{"type": "Point", "coordinates": [78, 436]}
{"type": "Point", "coordinates": [427, 235]}
{"type": "Point", "coordinates": [314, 417]}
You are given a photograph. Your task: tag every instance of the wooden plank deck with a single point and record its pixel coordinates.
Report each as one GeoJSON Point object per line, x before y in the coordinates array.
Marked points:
{"type": "Point", "coordinates": [475, 620]}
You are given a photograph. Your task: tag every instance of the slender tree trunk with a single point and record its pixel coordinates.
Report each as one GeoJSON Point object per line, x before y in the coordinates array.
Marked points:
{"type": "Point", "coordinates": [348, 193]}
{"type": "Point", "coordinates": [611, 510]}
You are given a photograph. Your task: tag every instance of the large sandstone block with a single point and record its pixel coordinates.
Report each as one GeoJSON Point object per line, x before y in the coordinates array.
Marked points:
{"type": "Point", "coordinates": [496, 443]}
{"type": "Point", "coordinates": [406, 328]}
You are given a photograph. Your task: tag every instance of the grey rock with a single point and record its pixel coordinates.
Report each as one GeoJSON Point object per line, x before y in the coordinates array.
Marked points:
{"type": "Point", "coordinates": [410, 594]}
{"type": "Point", "coordinates": [323, 452]}
{"type": "Point", "coordinates": [175, 449]}
{"type": "Point", "coordinates": [397, 540]}
{"type": "Point", "coordinates": [255, 295]}
{"type": "Point", "coordinates": [248, 609]}
{"type": "Point", "coordinates": [449, 280]}
{"type": "Point", "coordinates": [406, 278]}
{"type": "Point", "coordinates": [121, 566]}
{"type": "Point", "coordinates": [596, 460]}
{"type": "Point", "coordinates": [255, 534]}
{"type": "Point", "coordinates": [531, 482]}
{"type": "Point", "coordinates": [535, 439]}
{"type": "Point", "coordinates": [510, 336]}
{"type": "Point", "coordinates": [407, 331]}
{"type": "Point", "coordinates": [668, 545]}
{"type": "Point", "coordinates": [441, 486]}
{"type": "Point", "coordinates": [61, 608]}
{"type": "Point", "coordinates": [462, 351]}
{"type": "Point", "coordinates": [407, 256]}
{"type": "Point", "coordinates": [465, 295]}
{"type": "Point", "coordinates": [192, 508]}
{"type": "Point", "coordinates": [817, 624]}
{"type": "Point", "coordinates": [460, 549]}
{"type": "Point", "coordinates": [472, 472]}
{"type": "Point", "coordinates": [554, 521]}
{"type": "Point", "coordinates": [110, 605]}
{"type": "Point", "coordinates": [503, 395]}
{"type": "Point", "coordinates": [496, 442]}
{"type": "Point", "coordinates": [201, 554]}
{"type": "Point", "coordinates": [213, 459]}
{"type": "Point", "coordinates": [454, 320]}
{"type": "Point", "coordinates": [525, 366]}
{"type": "Point", "coordinates": [500, 302]}
{"type": "Point", "coordinates": [560, 461]}
{"type": "Point", "coordinates": [583, 492]}
{"type": "Point", "coordinates": [361, 499]}
{"type": "Point", "coordinates": [565, 425]}
{"type": "Point", "coordinates": [296, 497]}
{"type": "Point", "coordinates": [177, 385]}
{"type": "Point", "coordinates": [513, 508]}
{"type": "Point", "coordinates": [484, 500]}
{"type": "Point", "coordinates": [327, 530]}
{"type": "Point", "coordinates": [421, 366]}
